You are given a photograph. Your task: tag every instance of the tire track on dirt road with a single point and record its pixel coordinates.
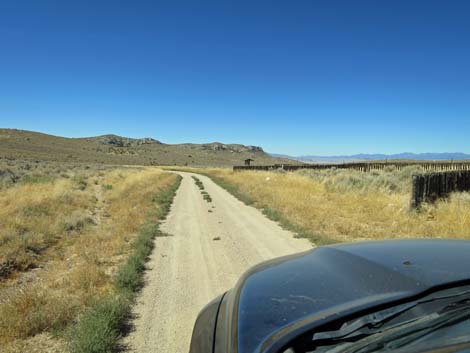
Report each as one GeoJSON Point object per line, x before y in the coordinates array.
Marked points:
{"type": "Point", "coordinates": [190, 268]}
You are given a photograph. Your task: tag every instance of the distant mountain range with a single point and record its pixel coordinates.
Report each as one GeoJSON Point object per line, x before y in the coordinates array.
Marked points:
{"type": "Point", "coordinates": [366, 157]}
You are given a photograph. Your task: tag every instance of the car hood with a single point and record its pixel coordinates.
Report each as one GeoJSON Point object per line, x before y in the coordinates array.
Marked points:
{"type": "Point", "coordinates": [280, 299]}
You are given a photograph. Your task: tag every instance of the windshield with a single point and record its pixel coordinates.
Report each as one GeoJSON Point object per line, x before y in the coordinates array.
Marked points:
{"type": "Point", "coordinates": [437, 320]}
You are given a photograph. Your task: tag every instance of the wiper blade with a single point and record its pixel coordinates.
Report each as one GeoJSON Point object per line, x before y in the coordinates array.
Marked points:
{"type": "Point", "coordinates": [353, 329]}
{"type": "Point", "coordinates": [402, 335]}
{"type": "Point", "coordinates": [372, 323]}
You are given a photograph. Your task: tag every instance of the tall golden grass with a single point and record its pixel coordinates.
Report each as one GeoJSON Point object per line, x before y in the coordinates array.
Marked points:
{"type": "Point", "coordinates": [63, 240]}
{"type": "Point", "coordinates": [350, 206]}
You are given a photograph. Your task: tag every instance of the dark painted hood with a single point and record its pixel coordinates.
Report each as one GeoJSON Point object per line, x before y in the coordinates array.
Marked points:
{"type": "Point", "coordinates": [278, 300]}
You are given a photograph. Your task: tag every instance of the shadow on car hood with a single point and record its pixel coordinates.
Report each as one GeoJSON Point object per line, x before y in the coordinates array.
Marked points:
{"type": "Point", "coordinates": [280, 299]}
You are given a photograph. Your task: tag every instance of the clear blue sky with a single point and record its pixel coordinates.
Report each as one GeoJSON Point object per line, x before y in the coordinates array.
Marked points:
{"type": "Point", "coordinates": [317, 77]}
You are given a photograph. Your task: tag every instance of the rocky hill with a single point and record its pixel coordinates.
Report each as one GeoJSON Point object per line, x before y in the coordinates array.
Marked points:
{"type": "Point", "coordinates": [119, 141]}
{"type": "Point", "coordinates": [113, 149]}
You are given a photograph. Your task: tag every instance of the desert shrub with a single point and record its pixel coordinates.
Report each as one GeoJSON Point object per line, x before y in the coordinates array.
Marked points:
{"type": "Point", "coordinates": [88, 278]}
{"type": "Point", "coordinates": [33, 310]}
{"type": "Point", "coordinates": [389, 180]}
{"type": "Point", "coordinates": [128, 278]}
{"type": "Point", "coordinates": [76, 221]}
{"type": "Point", "coordinates": [7, 178]}
{"type": "Point", "coordinates": [99, 328]}
{"type": "Point", "coordinates": [80, 182]}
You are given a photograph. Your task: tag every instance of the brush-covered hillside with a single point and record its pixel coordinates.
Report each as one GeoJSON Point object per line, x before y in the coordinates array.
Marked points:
{"type": "Point", "coordinates": [112, 149]}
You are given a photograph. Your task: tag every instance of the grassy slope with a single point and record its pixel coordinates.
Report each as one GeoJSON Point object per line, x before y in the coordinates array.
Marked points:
{"type": "Point", "coordinates": [62, 239]}
{"type": "Point", "coordinates": [340, 205]}
{"type": "Point", "coordinates": [27, 145]}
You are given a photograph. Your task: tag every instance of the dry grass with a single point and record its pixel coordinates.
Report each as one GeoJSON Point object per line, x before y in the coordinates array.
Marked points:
{"type": "Point", "coordinates": [110, 149]}
{"type": "Point", "coordinates": [62, 240]}
{"type": "Point", "coordinates": [349, 205]}
{"type": "Point", "coordinates": [33, 217]}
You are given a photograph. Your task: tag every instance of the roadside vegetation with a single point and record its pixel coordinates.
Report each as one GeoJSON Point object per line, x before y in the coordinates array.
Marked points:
{"type": "Point", "coordinates": [206, 196]}
{"type": "Point", "coordinates": [73, 241]}
{"type": "Point", "coordinates": [345, 205]}
{"type": "Point", "coordinates": [102, 325]}
{"type": "Point", "coordinates": [200, 185]}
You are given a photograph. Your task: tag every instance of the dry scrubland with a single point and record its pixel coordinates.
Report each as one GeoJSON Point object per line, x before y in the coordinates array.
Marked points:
{"type": "Point", "coordinates": [118, 150]}
{"type": "Point", "coordinates": [74, 237]}
{"type": "Point", "coordinates": [345, 205]}
{"type": "Point", "coordinates": [65, 230]}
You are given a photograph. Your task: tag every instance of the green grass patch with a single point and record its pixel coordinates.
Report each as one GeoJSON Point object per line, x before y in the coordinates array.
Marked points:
{"type": "Point", "coordinates": [37, 179]}
{"type": "Point", "coordinates": [100, 328]}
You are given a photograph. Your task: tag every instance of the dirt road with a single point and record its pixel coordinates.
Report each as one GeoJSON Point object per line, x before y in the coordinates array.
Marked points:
{"type": "Point", "coordinates": [211, 245]}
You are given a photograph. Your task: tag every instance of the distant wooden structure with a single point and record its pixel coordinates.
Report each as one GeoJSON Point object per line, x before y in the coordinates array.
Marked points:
{"type": "Point", "coordinates": [433, 186]}
{"type": "Point", "coordinates": [248, 161]}
{"type": "Point", "coordinates": [365, 166]}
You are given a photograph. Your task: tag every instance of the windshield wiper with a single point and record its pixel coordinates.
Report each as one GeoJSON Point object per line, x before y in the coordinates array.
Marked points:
{"type": "Point", "coordinates": [401, 335]}
{"type": "Point", "coordinates": [364, 325]}
{"type": "Point", "coordinates": [375, 322]}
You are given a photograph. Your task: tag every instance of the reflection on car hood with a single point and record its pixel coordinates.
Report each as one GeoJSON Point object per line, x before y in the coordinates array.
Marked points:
{"type": "Point", "coordinates": [279, 299]}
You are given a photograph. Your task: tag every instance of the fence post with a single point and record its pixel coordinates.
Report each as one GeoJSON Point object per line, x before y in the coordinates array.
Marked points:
{"type": "Point", "coordinates": [417, 191]}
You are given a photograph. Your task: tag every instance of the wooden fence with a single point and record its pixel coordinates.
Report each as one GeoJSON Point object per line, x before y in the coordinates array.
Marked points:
{"type": "Point", "coordinates": [441, 178]}
{"type": "Point", "coordinates": [364, 166]}
{"type": "Point", "coordinates": [433, 186]}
